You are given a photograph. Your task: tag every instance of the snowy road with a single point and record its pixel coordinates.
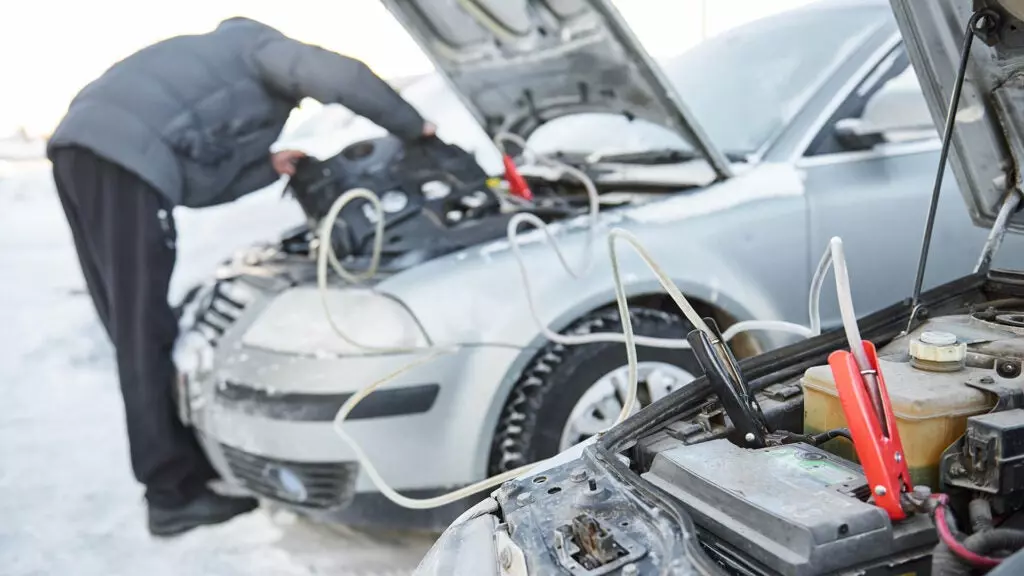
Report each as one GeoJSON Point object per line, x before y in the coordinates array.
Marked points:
{"type": "Point", "coordinates": [68, 502]}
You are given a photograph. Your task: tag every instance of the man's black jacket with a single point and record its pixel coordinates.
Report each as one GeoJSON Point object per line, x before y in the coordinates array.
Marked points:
{"type": "Point", "coordinates": [194, 116]}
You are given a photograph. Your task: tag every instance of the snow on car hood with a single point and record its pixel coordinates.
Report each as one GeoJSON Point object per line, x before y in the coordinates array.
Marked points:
{"type": "Point", "coordinates": [519, 63]}
{"type": "Point", "coordinates": [988, 138]}
{"type": "Point", "coordinates": [764, 182]}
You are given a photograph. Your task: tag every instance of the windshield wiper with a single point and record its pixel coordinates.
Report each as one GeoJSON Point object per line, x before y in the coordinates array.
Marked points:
{"type": "Point", "coordinates": [658, 156]}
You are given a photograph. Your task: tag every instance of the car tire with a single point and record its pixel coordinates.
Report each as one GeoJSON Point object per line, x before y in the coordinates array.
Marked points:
{"type": "Point", "coordinates": [536, 412]}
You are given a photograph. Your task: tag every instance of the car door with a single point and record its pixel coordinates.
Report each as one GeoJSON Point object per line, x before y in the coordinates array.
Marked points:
{"type": "Point", "coordinates": [869, 173]}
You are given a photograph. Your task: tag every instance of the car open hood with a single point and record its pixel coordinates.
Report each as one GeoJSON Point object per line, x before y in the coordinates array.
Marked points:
{"type": "Point", "coordinates": [519, 63]}
{"type": "Point", "coordinates": [988, 138]}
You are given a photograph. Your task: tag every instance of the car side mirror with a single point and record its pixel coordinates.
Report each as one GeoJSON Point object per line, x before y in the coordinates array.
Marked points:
{"type": "Point", "coordinates": [897, 112]}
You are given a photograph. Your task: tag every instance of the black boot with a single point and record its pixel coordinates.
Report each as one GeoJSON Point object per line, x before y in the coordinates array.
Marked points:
{"type": "Point", "coordinates": [207, 508]}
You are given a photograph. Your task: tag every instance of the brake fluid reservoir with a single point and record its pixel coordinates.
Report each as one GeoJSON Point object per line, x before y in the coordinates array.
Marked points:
{"type": "Point", "coordinates": [930, 406]}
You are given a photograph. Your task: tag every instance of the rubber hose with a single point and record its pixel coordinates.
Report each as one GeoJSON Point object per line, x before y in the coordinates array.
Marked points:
{"type": "Point", "coordinates": [819, 439]}
{"type": "Point", "coordinates": [946, 563]}
{"type": "Point", "coordinates": [980, 513]}
{"type": "Point", "coordinates": [989, 541]}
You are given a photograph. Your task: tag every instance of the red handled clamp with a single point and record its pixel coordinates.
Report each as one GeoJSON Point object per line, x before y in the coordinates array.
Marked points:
{"type": "Point", "coordinates": [865, 401]}
{"type": "Point", "coordinates": [516, 183]}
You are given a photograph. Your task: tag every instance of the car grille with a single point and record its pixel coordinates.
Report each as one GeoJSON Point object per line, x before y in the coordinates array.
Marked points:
{"type": "Point", "coordinates": [319, 485]}
{"type": "Point", "coordinates": [221, 309]}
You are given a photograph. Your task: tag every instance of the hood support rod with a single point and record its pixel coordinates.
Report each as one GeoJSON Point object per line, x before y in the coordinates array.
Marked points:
{"type": "Point", "coordinates": [978, 20]}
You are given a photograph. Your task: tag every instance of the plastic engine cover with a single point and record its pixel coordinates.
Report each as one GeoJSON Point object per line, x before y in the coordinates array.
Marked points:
{"type": "Point", "coordinates": [412, 179]}
{"type": "Point", "coordinates": [795, 510]}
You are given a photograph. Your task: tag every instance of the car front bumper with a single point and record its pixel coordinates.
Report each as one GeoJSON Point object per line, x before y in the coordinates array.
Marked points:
{"type": "Point", "coordinates": [266, 421]}
{"type": "Point", "coordinates": [265, 415]}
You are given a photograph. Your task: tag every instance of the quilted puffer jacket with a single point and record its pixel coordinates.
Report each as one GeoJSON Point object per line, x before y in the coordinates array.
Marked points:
{"type": "Point", "coordinates": [194, 116]}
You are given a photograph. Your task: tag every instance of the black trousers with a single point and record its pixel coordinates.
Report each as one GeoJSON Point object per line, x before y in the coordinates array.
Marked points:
{"type": "Point", "coordinates": [125, 238]}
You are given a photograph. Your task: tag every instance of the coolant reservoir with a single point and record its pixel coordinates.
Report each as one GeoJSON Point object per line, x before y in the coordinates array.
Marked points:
{"type": "Point", "coordinates": [931, 409]}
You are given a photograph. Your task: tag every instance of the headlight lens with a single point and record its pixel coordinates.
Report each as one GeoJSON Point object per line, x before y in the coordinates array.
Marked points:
{"type": "Point", "coordinates": [295, 323]}
{"type": "Point", "coordinates": [193, 358]}
{"type": "Point", "coordinates": [464, 549]}
{"type": "Point", "coordinates": [193, 354]}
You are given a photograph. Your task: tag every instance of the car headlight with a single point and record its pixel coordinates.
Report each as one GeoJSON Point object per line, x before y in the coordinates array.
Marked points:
{"type": "Point", "coordinates": [468, 547]}
{"type": "Point", "coordinates": [193, 354]}
{"type": "Point", "coordinates": [193, 358]}
{"type": "Point", "coordinates": [295, 322]}
{"type": "Point", "coordinates": [477, 544]}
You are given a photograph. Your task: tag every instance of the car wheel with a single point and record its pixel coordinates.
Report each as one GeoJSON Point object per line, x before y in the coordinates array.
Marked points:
{"type": "Point", "coordinates": [568, 393]}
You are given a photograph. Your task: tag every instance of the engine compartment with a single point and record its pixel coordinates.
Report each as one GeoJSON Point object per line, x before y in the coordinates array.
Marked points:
{"type": "Point", "coordinates": [954, 383]}
{"type": "Point", "coordinates": [429, 191]}
{"type": "Point", "coordinates": [802, 504]}
{"type": "Point", "coordinates": [942, 377]}
{"type": "Point", "coordinates": [435, 198]}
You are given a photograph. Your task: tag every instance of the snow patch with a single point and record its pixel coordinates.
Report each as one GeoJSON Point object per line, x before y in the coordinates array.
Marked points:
{"type": "Point", "coordinates": [68, 501]}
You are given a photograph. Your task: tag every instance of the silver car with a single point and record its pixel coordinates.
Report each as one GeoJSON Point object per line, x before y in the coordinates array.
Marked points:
{"type": "Point", "coordinates": [734, 164]}
{"type": "Point", "coordinates": [890, 464]}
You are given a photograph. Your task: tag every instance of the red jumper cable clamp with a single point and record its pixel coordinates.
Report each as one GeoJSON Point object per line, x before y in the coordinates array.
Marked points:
{"type": "Point", "coordinates": [865, 401]}
{"type": "Point", "coordinates": [516, 183]}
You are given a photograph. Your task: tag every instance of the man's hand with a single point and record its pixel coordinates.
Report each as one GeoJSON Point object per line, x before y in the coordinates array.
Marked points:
{"type": "Point", "coordinates": [429, 129]}
{"type": "Point", "coordinates": [285, 160]}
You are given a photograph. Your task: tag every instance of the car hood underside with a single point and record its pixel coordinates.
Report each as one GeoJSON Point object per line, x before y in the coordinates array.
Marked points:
{"type": "Point", "coordinates": [519, 63]}
{"type": "Point", "coordinates": [988, 136]}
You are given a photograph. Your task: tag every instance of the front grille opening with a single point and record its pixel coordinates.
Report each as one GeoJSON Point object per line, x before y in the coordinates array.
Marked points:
{"type": "Point", "coordinates": [221, 311]}
{"type": "Point", "coordinates": [316, 485]}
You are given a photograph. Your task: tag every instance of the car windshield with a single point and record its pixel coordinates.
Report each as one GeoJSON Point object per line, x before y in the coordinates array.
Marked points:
{"type": "Point", "coordinates": [742, 86]}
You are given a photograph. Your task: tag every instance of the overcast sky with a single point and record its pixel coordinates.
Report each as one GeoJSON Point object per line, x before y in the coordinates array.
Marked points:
{"type": "Point", "coordinates": [49, 50]}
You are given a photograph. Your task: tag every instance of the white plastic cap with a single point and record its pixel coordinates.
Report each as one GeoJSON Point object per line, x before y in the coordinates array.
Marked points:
{"type": "Point", "coordinates": [938, 347]}
{"type": "Point", "coordinates": [938, 338]}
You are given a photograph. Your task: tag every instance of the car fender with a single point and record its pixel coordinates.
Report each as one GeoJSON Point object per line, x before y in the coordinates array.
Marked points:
{"type": "Point", "coordinates": [476, 296]}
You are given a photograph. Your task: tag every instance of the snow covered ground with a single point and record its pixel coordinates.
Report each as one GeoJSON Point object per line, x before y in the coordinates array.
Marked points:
{"type": "Point", "coordinates": [68, 502]}
{"type": "Point", "coordinates": [21, 148]}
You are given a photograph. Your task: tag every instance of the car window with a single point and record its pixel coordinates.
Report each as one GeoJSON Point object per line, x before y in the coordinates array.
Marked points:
{"type": "Point", "coordinates": [743, 86]}
{"type": "Point", "coordinates": [887, 107]}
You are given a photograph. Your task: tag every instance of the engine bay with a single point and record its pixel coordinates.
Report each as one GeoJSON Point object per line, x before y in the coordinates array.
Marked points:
{"type": "Point", "coordinates": [810, 510]}
{"type": "Point", "coordinates": [435, 198]}
{"type": "Point", "coordinates": [802, 504]}
{"type": "Point", "coordinates": [428, 192]}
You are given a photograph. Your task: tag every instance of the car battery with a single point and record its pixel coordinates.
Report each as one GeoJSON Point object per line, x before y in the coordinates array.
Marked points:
{"type": "Point", "coordinates": [794, 510]}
